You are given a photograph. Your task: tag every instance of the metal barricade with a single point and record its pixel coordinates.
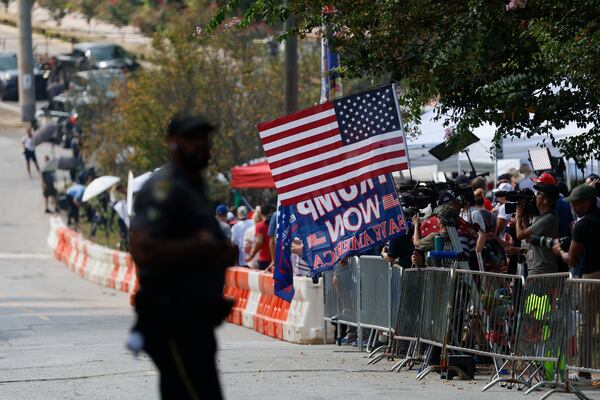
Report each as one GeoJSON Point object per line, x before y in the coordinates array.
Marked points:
{"type": "Point", "coordinates": [583, 325]}
{"type": "Point", "coordinates": [375, 286]}
{"type": "Point", "coordinates": [485, 310]}
{"type": "Point", "coordinates": [582, 348]}
{"type": "Point", "coordinates": [437, 299]}
{"type": "Point", "coordinates": [540, 332]}
{"type": "Point", "coordinates": [436, 313]}
{"type": "Point", "coordinates": [408, 321]}
{"type": "Point", "coordinates": [348, 292]}
{"type": "Point", "coordinates": [395, 293]}
{"type": "Point", "coordinates": [330, 302]}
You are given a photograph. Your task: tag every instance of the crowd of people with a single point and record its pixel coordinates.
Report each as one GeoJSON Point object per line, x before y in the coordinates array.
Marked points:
{"type": "Point", "coordinates": [252, 233]}
{"type": "Point", "coordinates": [103, 213]}
{"type": "Point", "coordinates": [525, 224]}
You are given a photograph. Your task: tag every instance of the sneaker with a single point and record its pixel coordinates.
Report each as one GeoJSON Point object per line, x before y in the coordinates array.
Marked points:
{"type": "Point", "coordinates": [47, 211]}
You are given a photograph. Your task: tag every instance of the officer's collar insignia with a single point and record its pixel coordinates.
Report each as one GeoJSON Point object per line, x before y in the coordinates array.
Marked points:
{"type": "Point", "coordinates": [161, 190]}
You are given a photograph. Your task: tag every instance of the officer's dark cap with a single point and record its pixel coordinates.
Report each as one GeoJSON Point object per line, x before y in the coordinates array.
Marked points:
{"type": "Point", "coordinates": [187, 124]}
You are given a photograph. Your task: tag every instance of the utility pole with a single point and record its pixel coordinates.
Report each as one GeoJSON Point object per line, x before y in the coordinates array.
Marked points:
{"type": "Point", "coordinates": [25, 60]}
{"type": "Point", "coordinates": [291, 69]}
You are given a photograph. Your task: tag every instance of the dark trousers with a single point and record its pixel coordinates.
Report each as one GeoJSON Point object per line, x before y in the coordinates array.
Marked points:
{"type": "Point", "coordinates": [263, 264]}
{"type": "Point", "coordinates": [73, 211]}
{"type": "Point", "coordinates": [187, 365]}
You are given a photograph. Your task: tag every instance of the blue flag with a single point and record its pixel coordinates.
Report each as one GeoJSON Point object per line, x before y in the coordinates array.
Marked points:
{"type": "Point", "coordinates": [348, 222]}
{"type": "Point", "coordinates": [341, 224]}
{"type": "Point", "coordinates": [283, 275]}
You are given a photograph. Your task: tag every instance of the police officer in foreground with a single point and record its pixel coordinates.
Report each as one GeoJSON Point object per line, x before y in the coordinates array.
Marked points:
{"type": "Point", "coordinates": [182, 255]}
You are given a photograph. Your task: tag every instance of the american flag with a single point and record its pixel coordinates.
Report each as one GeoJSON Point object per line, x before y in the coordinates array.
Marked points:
{"type": "Point", "coordinates": [390, 201]}
{"type": "Point", "coordinates": [335, 144]}
{"type": "Point", "coordinates": [314, 241]}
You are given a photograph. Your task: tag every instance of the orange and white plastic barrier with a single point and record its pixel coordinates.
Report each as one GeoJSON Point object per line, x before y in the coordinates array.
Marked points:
{"type": "Point", "coordinates": [97, 264]}
{"type": "Point", "coordinates": [256, 306]}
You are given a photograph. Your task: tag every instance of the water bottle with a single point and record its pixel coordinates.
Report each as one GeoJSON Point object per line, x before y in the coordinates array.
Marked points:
{"type": "Point", "coordinates": [438, 243]}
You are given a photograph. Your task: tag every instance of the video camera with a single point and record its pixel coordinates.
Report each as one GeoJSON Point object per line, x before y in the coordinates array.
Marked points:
{"type": "Point", "coordinates": [417, 198]}
{"type": "Point", "coordinates": [524, 196]}
{"type": "Point", "coordinates": [424, 194]}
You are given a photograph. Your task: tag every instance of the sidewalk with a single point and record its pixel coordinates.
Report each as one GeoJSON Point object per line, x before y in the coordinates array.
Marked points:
{"type": "Point", "coordinates": [74, 25]}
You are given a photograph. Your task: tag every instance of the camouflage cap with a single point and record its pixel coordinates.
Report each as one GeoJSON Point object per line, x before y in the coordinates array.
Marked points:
{"type": "Point", "coordinates": [446, 214]}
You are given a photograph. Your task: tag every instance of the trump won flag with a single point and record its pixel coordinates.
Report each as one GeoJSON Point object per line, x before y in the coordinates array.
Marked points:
{"type": "Point", "coordinates": [335, 144]}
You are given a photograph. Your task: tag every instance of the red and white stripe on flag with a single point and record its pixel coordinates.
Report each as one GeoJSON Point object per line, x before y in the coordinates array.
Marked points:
{"type": "Point", "coordinates": [313, 240]}
{"type": "Point", "coordinates": [390, 201]}
{"type": "Point", "coordinates": [334, 145]}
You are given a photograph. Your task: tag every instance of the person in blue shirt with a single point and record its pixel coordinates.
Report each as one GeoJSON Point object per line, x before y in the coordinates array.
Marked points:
{"type": "Point", "coordinates": [74, 196]}
{"type": "Point", "coordinates": [272, 236]}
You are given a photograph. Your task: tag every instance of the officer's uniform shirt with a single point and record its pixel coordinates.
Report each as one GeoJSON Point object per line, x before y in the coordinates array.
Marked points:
{"type": "Point", "coordinates": [170, 206]}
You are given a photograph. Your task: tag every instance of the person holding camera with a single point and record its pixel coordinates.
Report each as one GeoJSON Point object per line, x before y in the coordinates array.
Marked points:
{"type": "Point", "coordinates": [540, 259]}
{"type": "Point", "coordinates": [585, 241]}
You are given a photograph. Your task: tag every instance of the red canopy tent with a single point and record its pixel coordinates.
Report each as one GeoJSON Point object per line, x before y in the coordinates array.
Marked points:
{"type": "Point", "coordinates": [254, 176]}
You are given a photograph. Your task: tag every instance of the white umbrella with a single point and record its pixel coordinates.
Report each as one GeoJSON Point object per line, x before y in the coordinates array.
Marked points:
{"type": "Point", "coordinates": [120, 208]}
{"type": "Point", "coordinates": [134, 185]}
{"type": "Point", "coordinates": [99, 185]}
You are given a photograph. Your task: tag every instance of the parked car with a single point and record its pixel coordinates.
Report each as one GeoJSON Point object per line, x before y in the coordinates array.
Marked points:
{"type": "Point", "coordinates": [9, 75]}
{"type": "Point", "coordinates": [86, 56]}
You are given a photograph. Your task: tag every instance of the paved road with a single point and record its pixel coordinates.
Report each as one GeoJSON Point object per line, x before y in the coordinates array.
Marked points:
{"type": "Point", "coordinates": [62, 337]}
{"type": "Point", "coordinates": [76, 23]}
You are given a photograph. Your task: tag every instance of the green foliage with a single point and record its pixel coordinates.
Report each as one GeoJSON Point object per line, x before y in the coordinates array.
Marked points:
{"type": "Point", "coordinates": [229, 77]}
{"type": "Point", "coordinates": [89, 9]}
{"type": "Point", "coordinates": [119, 12]}
{"type": "Point", "coordinates": [528, 66]}
{"type": "Point", "coordinates": [58, 9]}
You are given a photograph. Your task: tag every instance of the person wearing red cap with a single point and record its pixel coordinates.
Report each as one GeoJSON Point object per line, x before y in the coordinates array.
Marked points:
{"type": "Point", "coordinates": [545, 179]}
{"type": "Point", "coordinates": [562, 210]}
{"type": "Point", "coordinates": [540, 260]}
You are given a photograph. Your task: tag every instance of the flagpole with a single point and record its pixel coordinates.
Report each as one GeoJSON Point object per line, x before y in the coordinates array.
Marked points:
{"type": "Point", "coordinates": [402, 130]}
{"type": "Point", "coordinates": [324, 68]}
{"type": "Point", "coordinates": [330, 82]}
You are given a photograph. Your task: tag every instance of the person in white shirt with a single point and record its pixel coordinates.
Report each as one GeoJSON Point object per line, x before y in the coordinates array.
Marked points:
{"type": "Point", "coordinates": [250, 238]}
{"type": "Point", "coordinates": [526, 182]}
{"type": "Point", "coordinates": [503, 217]}
{"type": "Point", "coordinates": [238, 231]}
{"type": "Point", "coordinates": [29, 151]}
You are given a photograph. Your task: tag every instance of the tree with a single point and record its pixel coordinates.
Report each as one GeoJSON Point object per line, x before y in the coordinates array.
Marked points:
{"type": "Point", "coordinates": [527, 66]}
{"type": "Point", "coordinates": [119, 12]}
{"type": "Point", "coordinates": [229, 77]}
{"type": "Point", "coordinates": [89, 9]}
{"type": "Point", "coordinates": [58, 9]}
